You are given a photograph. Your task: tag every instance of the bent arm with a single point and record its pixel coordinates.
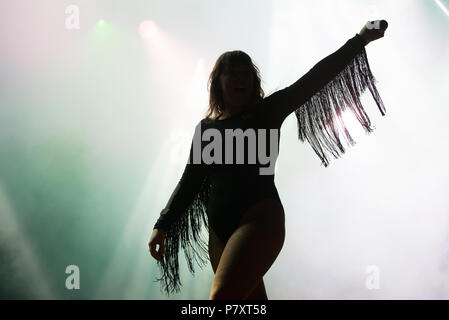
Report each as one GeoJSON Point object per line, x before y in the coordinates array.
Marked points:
{"type": "Point", "coordinates": [184, 193]}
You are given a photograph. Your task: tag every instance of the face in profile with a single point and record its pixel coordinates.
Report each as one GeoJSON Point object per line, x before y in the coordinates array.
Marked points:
{"type": "Point", "coordinates": [237, 85]}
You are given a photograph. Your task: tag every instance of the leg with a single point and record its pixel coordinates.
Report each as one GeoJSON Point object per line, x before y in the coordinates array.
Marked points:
{"type": "Point", "coordinates": [216, 247]}
{"type": "Point", "coordinates": [250, 251]}
{"type": "Point", "coordinates": [259, 293]}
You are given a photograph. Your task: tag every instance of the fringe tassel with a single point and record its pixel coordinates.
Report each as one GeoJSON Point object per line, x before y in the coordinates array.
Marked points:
{"type": "Point", "coordinates": [185, 231]}
{"type": "Point", "coordinates": [317, 117]}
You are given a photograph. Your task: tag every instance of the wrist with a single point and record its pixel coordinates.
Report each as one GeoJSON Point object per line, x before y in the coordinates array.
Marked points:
{"type": "Point", "coordinates": [363, 37]}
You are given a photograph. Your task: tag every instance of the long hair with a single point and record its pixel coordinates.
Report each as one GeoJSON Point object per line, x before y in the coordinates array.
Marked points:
{"type": "Point", "coordinates": [224, 61]}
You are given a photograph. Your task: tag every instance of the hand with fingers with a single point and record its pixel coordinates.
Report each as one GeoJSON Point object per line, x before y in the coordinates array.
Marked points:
{"type": "Point", "coordinates": [373, 30]}
{"type": "Point", "coordinates": [157, 238]}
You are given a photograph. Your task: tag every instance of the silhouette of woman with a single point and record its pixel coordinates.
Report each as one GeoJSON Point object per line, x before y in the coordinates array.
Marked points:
{"type": "Point", "coordinates": [240, 206]}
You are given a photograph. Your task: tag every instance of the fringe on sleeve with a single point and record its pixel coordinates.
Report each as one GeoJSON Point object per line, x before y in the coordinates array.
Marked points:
{"type": "Point", "coordinates": [317, 118]}
{"type": "Point", "coordinates": [185, 232]}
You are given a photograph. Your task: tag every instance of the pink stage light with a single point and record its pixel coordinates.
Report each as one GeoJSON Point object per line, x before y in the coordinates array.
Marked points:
{"type": "Point", "coordinates": [147, 29]}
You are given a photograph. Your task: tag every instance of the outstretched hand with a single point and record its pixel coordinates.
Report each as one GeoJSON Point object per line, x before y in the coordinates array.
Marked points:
{"type": "Point", "coordinates": [373, 30]}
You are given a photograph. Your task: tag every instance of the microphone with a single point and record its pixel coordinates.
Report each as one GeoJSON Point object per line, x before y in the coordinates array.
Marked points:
{"type": "Point", "coordinates": [377, 24]}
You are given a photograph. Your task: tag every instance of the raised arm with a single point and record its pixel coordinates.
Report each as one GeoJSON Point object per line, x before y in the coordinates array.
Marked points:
{"type": "Point", "coordinates": [285, 101]}
{"type": "Point", "coordinates": [332, 85]}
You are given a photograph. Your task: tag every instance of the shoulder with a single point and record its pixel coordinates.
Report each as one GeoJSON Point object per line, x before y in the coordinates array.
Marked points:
{"type": "Point", "coordinates": [205, 121]}
{"type": "Point", "coordinates": [267, 113]}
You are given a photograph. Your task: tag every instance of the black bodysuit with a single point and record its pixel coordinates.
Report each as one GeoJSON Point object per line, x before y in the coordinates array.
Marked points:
{"type": "Point", "coordinates": [218, 193]}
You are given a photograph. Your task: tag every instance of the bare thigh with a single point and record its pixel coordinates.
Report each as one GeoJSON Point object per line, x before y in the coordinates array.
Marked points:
{"type": "Point", "coordinates": [249, 252]}
{"type": "Point", "coordinates": [216, 247]}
